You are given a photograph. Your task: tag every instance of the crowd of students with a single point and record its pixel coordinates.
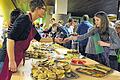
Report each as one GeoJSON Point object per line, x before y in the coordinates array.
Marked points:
{"type": "Point", "coordinates": [86, 31]}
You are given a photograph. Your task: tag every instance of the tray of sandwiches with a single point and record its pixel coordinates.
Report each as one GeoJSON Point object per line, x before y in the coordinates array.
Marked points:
{"type": "Point", "coordinates": [97, 70]}
{"type": "Point", "coordinates": [37, 54]}
{"type": "Point", "coordinates": [52, 70]}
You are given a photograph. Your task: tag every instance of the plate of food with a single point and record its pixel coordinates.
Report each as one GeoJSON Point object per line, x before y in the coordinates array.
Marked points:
{"type": "Point", "coordinates": [97, 70]}
{"type": "Point", "coordinates": [76, 61]}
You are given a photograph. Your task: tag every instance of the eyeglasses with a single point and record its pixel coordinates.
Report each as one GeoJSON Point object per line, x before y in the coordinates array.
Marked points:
{"type": "Point", "coordinates": [44, 8]}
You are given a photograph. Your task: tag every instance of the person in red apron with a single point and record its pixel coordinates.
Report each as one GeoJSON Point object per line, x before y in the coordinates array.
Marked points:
{"type": "Point", "coordinates": [19, 38]}
{"type": "Point", "coordinates": [13, 16]}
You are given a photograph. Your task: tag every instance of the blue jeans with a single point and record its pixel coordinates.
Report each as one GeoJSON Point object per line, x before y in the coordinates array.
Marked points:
{"type": "Point", "coordinates": [93, 57]}
{"type": "Point", "coordinates": [1, 65]}
{"type": "Point", "coordinates": [113, 62]}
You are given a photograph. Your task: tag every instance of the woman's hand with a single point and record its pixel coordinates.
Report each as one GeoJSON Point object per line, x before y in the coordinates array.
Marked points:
{"type": "Point", "coordinates": [12, 66]}
{"type": "Point", "coordinates": [70, 38]}
{"type": "Point", "coordinates": [10, 50]}
{"type": "Point", "coordinates": [102, 43]}
{"type": "Point", "coordinates": [59, 40]}
{"type": "Point", "coordinates": [66, 40]}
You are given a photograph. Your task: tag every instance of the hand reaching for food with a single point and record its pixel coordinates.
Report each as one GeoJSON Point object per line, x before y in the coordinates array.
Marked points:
{"type": "Point", "coordinates": [70, 38]}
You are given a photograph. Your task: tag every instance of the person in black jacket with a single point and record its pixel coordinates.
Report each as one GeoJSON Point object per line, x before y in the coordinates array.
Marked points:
{"type": "Point", "coordinates": [56, 31]}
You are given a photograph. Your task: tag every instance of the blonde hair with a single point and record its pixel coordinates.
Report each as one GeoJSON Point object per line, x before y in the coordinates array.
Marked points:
{"type": "Point", "coordinates": [117, 24]}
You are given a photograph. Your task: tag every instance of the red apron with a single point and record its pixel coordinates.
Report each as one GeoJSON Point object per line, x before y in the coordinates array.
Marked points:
{"type": "Point", "coordinates": [19, 50]}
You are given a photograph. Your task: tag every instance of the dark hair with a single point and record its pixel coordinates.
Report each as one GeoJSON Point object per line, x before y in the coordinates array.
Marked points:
{"type": "Point", "coordinates": [52, 19]}
{"type": "Point", "coordinates": [85, 17]}
{"type": "Point", "coordinates": [103, 30]}
{"type": "Point", "coordinates": [55, 25]}
{"type": "Point", "coordinates": [36, 3]}
{"type": "Point", "coordinates": [14, 15]}
{"type": "Point", "coordinates": [104, 20]}
{"type": "Point", "coordinates": [41, 25]}
{"type": "Point", "coordinates": [70, 20]}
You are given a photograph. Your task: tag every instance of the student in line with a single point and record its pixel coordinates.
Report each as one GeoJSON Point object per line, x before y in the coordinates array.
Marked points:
{"type": "Point", "coordinates": [109, 40]}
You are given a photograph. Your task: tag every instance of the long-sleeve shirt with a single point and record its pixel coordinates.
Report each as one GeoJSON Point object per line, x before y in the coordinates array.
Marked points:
{"type": "Point", "coordinates": [114, 40]}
